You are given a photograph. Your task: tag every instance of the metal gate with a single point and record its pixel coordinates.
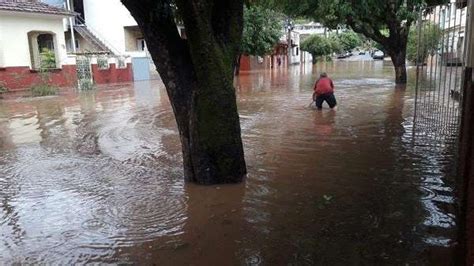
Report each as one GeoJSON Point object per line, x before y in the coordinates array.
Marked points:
{"type": "Point", "coordinates": [440, 64]}
{"type": "Point", "coordinates": [84, 73]}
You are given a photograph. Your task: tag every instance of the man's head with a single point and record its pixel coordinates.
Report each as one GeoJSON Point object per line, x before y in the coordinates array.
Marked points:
{"type": "Point", "coordinates": [323, 75]}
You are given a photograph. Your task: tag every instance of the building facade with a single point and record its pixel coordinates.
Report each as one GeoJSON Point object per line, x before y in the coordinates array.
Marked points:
{"type": "Point", "coordinates": [32, 39]}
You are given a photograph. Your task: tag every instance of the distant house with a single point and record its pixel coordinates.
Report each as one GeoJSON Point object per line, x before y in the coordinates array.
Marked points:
{"type": "Point", "coordinates": [32, 38]}
{"type": "Point", "coordinates": [451, 18]}
{"type": "Point", "coordinates": [104, 26]}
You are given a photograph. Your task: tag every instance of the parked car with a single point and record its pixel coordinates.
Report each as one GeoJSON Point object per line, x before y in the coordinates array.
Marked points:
{"type": "Point", "coordinates": [344, 55]}
{"type": "Point", "coordinates": [362, 53]}
{"type": "Point", "coordinates": [378, 55]}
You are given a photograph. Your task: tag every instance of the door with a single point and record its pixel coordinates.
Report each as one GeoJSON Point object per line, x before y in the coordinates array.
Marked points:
{"type": "Point", "coordinates": [141, 68]}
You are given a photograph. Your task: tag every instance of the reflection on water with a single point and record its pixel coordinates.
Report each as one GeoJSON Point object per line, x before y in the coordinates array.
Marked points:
{"type": "Point", "coordinates": [96, 177]}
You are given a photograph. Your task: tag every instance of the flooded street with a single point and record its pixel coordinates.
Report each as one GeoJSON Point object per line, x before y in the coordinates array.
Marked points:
{"type": "Point", "coordinates": [96, 177]}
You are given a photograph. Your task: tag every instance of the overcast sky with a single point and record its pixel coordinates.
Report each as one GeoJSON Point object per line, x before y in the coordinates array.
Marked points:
{"type": "Point", "coordinates": [54, 2]}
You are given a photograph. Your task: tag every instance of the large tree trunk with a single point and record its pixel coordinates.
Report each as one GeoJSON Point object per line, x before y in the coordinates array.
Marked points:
{"type": "Point", "coordinates": [198, 75]}
{"type": "Point", "coordinates": [399, 63]}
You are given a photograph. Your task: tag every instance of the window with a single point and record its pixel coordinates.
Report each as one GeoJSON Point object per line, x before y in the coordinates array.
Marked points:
{"type": "Point", "coordinates": [141, 44]}
{"type": "Point", "coordinates": [121, 62]}
{"type": "Point", "coordinates": [103, 62]}
{"type": "Point", "coordinates": [43, 52]}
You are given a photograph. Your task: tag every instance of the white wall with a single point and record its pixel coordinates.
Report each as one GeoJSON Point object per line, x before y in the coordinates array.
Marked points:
{"type": "Point", "coordinates": [14, 27]}
{"type": "Point", "coordinates": [470, 36]}
{"type": "Point", "coordinates": [107, 18]}
{"type": "Point", "coordinates": [1, 44]}
{"type": "Point", "coordinates": [310, 29]}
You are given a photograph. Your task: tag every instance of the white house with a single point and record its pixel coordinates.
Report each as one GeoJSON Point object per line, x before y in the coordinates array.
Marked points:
{"type": "Point", "coordinates": [32, 38]}
{"type": "Point", "coordinates": [26, 29]}
{"type": "Point", "coordinates": [310, 28]}
{"type": "Point", "coordinates": [294, 46]}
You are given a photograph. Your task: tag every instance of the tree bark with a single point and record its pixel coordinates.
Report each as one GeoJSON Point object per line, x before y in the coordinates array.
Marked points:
{"type": "Point", "coordinates": [399, 63]}
{"type": "Point", "coordinates": [237, 65]}
{"type": "Point", "coordinates": [395, 44]}
{"type": "Point", "coordinates": [198, 75]}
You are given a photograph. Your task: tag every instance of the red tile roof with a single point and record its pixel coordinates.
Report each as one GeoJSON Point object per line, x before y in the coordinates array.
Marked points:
{"type": "Point", "coordinates": [32, 7]}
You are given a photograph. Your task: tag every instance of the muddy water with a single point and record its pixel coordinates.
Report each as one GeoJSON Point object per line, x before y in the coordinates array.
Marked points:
{"type": "Point", "coordinates": [96, 177]}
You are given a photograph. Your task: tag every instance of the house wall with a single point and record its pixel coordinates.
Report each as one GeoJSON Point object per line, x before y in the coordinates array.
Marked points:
{"type": "Point", "coordinates": [132, 34]}
{"type": "Point", "coordinates": [21, 78]}
{"type": "Point", "coordinates": [108, 18]}
{"type": "Point", "coordinates": [14, 27]}
{"type": "Point", "coordinates": [112, 74]}
{"type": "Point", "coordinates": [2, 63]}
{"type": "Point", "coordinates": [295, 51]}
{"type": "Point", "coordinates": [84, 45]}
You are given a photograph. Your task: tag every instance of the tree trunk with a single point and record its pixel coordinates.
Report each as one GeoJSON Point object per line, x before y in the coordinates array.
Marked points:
{"type": "Point", "coordinates": [237, 65]}
{"type": "Point", "coordinates": [198, 75]}
{"type": "Point", "coordinates": [314, 59]}
{"type": "Point", "coordinates": [399, 63]}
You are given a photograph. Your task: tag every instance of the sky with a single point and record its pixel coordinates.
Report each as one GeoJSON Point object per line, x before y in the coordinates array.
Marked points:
{"type": "Point", "coordinates": [54, 2]}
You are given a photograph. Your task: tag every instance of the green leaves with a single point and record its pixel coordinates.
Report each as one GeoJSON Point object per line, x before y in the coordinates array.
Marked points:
{"type": "Point", "coordinates": [427, 42]}
{"type": "Point", "coordinates": [317, 46]}
{"type": "Point", "coordinates": [348, 40]}
{"type": "Point", "coordinates": [262, 30]}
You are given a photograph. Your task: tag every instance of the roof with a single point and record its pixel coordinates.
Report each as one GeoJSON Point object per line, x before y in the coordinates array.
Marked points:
{"type": "Point", "coordinates": [32, 7]}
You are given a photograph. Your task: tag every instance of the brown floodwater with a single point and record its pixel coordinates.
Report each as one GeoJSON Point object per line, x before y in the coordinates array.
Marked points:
{"type": "Point", "coordinates": [96, 177]}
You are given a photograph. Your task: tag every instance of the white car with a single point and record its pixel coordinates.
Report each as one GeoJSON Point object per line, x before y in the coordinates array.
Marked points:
{"type": "Point", "coordinates": [378, 55]}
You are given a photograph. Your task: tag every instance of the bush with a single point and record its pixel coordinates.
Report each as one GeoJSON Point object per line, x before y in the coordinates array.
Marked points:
{"type": "Point", "coordinates": [349, 40]}
{"type": "Point", "coordinates": [317, 46]}
{"type": "Point", "coordinates": [48, 59]}
{"type": "Point", "coordinates": [425, 45]}
{"type": "Point", "coordinates": [43, 90]}
{"type": "Point", "coordinates": [3, 88]}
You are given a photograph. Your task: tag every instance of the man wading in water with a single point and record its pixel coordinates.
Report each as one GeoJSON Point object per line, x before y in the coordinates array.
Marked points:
{"type": "Point", "coordinates": [324, 91]}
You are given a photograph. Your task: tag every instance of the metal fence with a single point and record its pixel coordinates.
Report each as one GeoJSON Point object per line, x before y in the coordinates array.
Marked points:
{"type": "Point", "coordinates": [440, 63]}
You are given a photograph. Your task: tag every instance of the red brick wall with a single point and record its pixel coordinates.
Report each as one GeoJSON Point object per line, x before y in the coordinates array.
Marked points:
{"type": "Point", "coordinates": [112, 74]}
{"type": "Point", "coordinates": [20, 78]}
{"type": "Point", "coordinates": [244, 63]}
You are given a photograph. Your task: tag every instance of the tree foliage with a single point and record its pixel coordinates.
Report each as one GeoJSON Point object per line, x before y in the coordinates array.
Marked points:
{"type": "Point", "coordinates": [336, 44]}
{"type": "Point", "coordinates": [348, 40]}
{"type": "Point", "coordinates": [262, 30]}
{"type": "Point", "coordinates": [317, 46]}
{"type": "Point", "coordinates": [424, 44]}
{"type": "Point", "coordinates": [367, 17]}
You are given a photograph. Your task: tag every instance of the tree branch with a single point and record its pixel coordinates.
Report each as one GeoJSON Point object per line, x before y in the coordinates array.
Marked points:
{"type": "Point", "coordinates": [373, 33]}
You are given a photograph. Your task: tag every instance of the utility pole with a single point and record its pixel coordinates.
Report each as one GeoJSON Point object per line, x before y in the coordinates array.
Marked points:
{"type": "Point", "coordinates": [289, 28]}
{"type": "Point", "coordinates": [71, 25]}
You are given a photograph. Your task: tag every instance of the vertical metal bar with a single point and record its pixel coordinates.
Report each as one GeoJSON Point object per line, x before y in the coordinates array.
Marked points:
{"type": "Point", "coordinates": [429, 68]}
{"type": "Point", "coordinates": [451, 115]}
{"type": "Point", "coordinates": [420, 21]}
{"type": "Point", "coordinates": [441, 83]}
{"type": "Point", "coordinates": [432, 91]}
{"type": "Point", "coordinates": [445, 117]}
{"type": "Point", "coordinates": [443, 57]}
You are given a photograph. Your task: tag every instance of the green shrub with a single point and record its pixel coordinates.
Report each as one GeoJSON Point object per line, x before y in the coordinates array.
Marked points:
{"type": "Point", "coordinates": [317, 46]}
{"type": "Point", "coordinates": [3, 88]}
{"type": "Point", "coordinates": [424, 45]}
{"type": "Point", "coordinates": [43, 90]}
{"type": "Point", "coordinates": [48, 59]}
